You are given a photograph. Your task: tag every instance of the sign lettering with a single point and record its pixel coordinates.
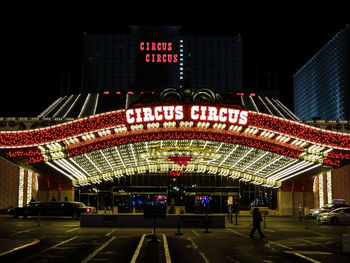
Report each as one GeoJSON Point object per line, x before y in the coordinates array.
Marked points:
{"type": "Point", "coordinates": [162, 52]}
{"type": "Point", "coordinates": [194, 113]}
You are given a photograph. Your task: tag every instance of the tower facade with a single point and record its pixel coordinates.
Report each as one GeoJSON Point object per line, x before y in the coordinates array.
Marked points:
{"type": "Point", "coordinates": [322, 86]}
{"type": "Point", "coordinates": [150, 58]}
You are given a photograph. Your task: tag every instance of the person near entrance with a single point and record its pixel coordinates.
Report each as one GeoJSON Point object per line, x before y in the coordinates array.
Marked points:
{"type": "Point", "coordinates": [256, 223]}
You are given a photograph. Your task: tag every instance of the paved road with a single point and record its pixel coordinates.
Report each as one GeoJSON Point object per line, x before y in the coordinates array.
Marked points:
{"type": "Point", "coordinates": [63, 240]}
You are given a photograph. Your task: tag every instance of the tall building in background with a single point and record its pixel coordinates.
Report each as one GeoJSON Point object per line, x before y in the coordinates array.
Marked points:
{"type": "Point", "coordinates": [154, 57]}
{"type": "Point", "coordinates": [322, 85]}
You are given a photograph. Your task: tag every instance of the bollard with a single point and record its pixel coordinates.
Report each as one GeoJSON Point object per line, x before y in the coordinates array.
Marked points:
{"type": "Point", "coordinates": [237, 218]}
{"type": "Point", "coordinates": [178, 227]}
{"type": "Point", "coordinates": [231, 218]}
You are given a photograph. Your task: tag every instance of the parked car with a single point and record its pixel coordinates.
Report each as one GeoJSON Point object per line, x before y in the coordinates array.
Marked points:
{"type": "Point", "coordinates": [337, 216]}
{"type": "Point", "coordinates": [331, 207]}
{"type": "Point", "coordinates": [327, 208]}
{"type": "Point", "coordinates": [73, 209]}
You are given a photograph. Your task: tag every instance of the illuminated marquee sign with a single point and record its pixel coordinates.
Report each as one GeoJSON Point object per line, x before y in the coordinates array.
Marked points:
{"type": "Point", "coordinates": [192, 113]}
{"type": "Point", "coordinates": [155, 52]}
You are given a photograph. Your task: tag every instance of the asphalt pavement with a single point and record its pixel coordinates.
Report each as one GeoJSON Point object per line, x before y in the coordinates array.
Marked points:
{"type": "Point", "coordinates": [287, 239]}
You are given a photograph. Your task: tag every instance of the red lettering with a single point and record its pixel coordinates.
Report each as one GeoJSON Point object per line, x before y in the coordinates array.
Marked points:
{"type": "Point", "coordinates": [153, 46]}
{"type": "Point", "coordinates": [164, 44]}
{"type": "Point", "coordinates": [147, 46]}
{"type": "Point", "coordinates": [170, 46]}
{"type": "Point", "coordinates": [159, 46]}
{"type": "Point", "coordinates": [153, 57]}
{"type": "Point", "coordinates": [147, 58]}
{"type": "Point", "coordinates": [170, 58]}
{"type": "Point", "coordinates": [164, 57]}
{"type": "Point", "coordinates": [159, 58]}
{"type": "Point", "coordinates": [142, 46]}
{"type": "Point", "coordinates": [175, 58]}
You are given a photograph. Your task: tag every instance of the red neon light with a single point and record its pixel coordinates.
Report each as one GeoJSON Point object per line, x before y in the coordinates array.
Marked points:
{"type": "Point", "coordinates": [180, 160]}
{"type": "Point", "coordinates": [75, 128]}
{"type": "Point", "coordinates": [156, 46]}
{"type": "Point", "coordinates": [158, 113]}
{"type": "Point", "coordinates": [118, 93]}
{"type": "Point", "coordinates": [130, 93]}
{"type": "Point", "coordinates": [175, 173]}
{"type": "Point", "coordinates": [159, 47]}
{"type": "Point", "coordinates": [161, 58]}
{"type": "Point", "coordinates": [252, 94]}
{"type": "Point", "coordinates": [106, 92]}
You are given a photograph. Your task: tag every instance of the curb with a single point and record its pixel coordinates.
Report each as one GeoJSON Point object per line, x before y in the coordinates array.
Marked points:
{"type": "Point", "coordinates": [35, 242]}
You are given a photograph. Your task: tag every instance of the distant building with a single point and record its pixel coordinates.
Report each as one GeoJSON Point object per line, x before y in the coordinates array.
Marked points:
{"type": "Point", "coordinates": [153, 57]}
{"type": "Point", "coordinates": [322, 85]}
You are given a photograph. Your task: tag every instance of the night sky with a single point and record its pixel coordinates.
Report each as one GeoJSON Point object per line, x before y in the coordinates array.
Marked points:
{"type": "Point", "coordinates": [42, 42]}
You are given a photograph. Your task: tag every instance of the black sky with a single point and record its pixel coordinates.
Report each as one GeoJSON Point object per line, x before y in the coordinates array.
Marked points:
{"type": "Point", "coordinates": [42, 41]}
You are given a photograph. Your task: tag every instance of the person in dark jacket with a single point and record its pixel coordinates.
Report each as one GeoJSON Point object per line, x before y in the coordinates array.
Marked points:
{"type": "Point", "coordinates": [256, 223]}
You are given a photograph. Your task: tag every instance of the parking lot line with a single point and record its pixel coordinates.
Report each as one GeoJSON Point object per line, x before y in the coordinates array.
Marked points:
{"type": "Point", "coordinates": [24, 231]}
{"type": "Point", "coordinates": [310, 242]}
{"type": "Point", "coordinates": [236, 232]}
{"type": "Point", "coordinates": [303, 257]}
{"type": "Point", "coordinates": [195, 246]}
{"type": "Point", "coordinates": [166, 249]}
{"type": "Point", "coordinates": [52, 247]}
{"type": "Point", "coordinates": [196, 233]}
{"type": "Point", "coordinates": [71, 230]}
{"type": "Point", "coordinates": [109, 233]}
{"type": "Point", "coordinates": [89, 257]}
{"type": "Point", "coordinates": [137, 251]}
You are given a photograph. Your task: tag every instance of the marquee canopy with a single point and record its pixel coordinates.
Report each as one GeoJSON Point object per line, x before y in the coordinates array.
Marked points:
{"type": "Point", "coordinates": [182, 138]}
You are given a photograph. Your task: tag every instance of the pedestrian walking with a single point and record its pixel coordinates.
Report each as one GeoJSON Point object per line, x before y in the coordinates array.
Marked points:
{"type": "Point", "coordinates": [256, 223]}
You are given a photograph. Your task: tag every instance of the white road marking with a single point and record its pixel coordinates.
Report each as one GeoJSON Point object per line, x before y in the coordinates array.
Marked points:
{"type": "Point", "coordinates": [93, 254]}
{"type": "Point", "coordinates": [194, 246]}
{"type": "Point", "coordinates": [196, 233]}
{"type": "Point", "coordinates": [71, 230]}
{"type": "Point", "coordinates": [276, 243]}
{"type": "Point", "coordinates": [166, 249]}
{"type": "Point", "coordinates": [232, 259]}
{"type": "Point", "coordinates": [52, 247]}
{"type": "Point", "coordinates": [206, 260]}
{"type": "Point", "coordinates": [314, 252]}
{"type": "Point", "coordinates": [303, 257]}
{"type": "Point", "coordinates": [192, 243]}
{"type": "Point", "coordinates": [310, 242]}
{"type": "Point", "coordinates": [24, 231]}
{"type": "Point", "coordinates": [236, 232]}
{"type": "Point", "coordinates": [109, 233]}
{"type": "Point", "coordinates": [35, 242]}
{"type": "Point", "coordinates": [137, 251]}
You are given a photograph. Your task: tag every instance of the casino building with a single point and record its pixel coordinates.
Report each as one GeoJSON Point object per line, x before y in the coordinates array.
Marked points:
{"type": "Point", "coordinates": [194, 149]}
{"type": "Point", "coordinates": [146, 128]}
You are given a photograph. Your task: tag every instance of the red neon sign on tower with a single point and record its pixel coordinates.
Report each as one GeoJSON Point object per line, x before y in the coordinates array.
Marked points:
{"type": "Point", "coordinates": [159, 48]}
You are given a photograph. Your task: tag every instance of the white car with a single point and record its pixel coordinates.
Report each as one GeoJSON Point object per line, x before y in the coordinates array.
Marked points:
{"type": "Point", "coordinates": [327, 208]}
{"type": "Point", "coordinates": [337, 216]}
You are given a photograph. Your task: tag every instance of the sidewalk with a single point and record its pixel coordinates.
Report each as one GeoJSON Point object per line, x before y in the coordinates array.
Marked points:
{"type": "Point", "coordinates": [12, 246]}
